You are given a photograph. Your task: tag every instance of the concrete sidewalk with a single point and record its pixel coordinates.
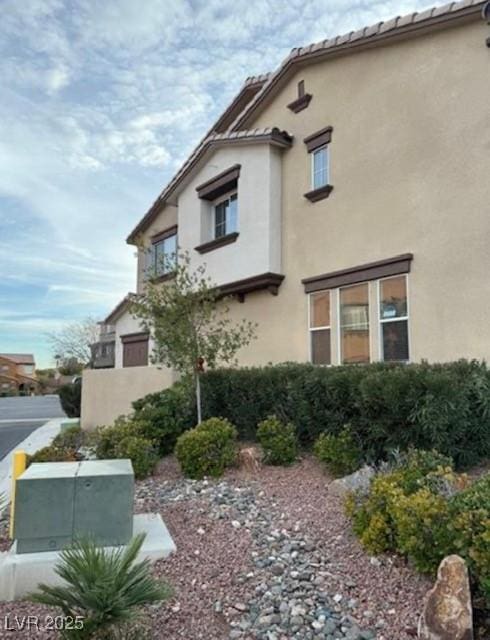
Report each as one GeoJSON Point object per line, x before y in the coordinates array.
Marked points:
{"type": "Point", "coordinates": [41, 437]}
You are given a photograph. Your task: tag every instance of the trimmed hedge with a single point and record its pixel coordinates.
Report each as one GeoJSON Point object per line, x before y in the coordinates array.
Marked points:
{"type": "Point", "coordinates": [426, 406]}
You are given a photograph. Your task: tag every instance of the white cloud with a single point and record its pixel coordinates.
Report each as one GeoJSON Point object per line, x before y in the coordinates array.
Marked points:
{"type": "Point", "coordinates": [101, 101]}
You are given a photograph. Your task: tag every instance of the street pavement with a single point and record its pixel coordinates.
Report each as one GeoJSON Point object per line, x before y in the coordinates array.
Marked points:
{"type": "Point", "coordinates": [20, 416]}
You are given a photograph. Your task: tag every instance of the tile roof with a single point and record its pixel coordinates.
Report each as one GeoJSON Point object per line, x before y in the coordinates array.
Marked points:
{"type": "Point", "coordinates": [19, 358]}
{"type": "Point", "coordinates": [266, 134]}
{"type": "Point", "coordinates": [119, 308]}
{"type": "Point", "coordinates": [411, 24]}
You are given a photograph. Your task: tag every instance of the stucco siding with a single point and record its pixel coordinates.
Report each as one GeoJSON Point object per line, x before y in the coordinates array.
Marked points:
{"type": "Point", "coordinates": [108, 393]}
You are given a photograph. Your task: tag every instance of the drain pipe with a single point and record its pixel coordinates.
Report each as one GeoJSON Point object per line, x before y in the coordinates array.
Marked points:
{"type": "Point", "coordinates": [485, 14]}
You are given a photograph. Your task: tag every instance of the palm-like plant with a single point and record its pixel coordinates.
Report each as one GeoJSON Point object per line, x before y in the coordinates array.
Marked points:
{"type": "Point", "coordinates": [104, 588]}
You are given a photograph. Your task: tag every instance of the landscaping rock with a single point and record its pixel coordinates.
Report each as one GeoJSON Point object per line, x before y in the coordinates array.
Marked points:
{"type": "Point", "coordinates": [358, 481]}
{"type": "Point", "coordinates": [447, 614]}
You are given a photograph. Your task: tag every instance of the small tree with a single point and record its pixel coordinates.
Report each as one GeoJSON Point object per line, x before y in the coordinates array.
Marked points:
{"type": "Point", "coordinates": [189, 323]}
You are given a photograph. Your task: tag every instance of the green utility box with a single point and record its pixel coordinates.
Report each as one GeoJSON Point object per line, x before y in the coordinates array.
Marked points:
{"type": "Point", "coordinates": [59, 502]}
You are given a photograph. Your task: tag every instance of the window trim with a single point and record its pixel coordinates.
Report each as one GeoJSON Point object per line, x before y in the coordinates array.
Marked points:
{"type": "Point", "coordinates": [382, 321]}
{"type": "Point", "coordinates": [339, 327]}
{"type": "Point", "coordinates": [322, 328]}
{"type": "Point", "coordinates": [314, 143]}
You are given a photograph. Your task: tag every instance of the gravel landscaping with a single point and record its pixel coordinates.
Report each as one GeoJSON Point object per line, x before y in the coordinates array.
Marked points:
{"type": "Point", "coordinates": [269, 557]}
{"type": "Point", "coordinates": [272, 557]}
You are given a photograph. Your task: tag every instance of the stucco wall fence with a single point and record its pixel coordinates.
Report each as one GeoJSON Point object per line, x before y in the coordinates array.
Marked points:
{"type": "Point", "coordinates": [108, 393]}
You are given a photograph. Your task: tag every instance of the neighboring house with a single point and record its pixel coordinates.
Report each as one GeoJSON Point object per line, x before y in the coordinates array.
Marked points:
{"type": "Point", "coordinates": [344, 200]}
{"type": "Point", "coordinates": [104, 349]}
{"type": "Point", "coordinates": [17, 374]}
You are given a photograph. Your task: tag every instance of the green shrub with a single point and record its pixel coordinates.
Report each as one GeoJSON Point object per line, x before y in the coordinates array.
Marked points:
{"type": "Point", "coordinates": [426, 406]}
{"type": "Point", "coordinates": [422, 510]}
{"type": "Point", "coordinates": [207, 449]}
{"type": "Point", "coordinates": [104, 439]}
{"type": "Point", "coordinates": [278, 441]}
{"type": "Point", "coordinates": [165, 415]}
{"type": "Point", "coordinates": [340, 453]}
{"type": "Point", "coordinates": [70, 438]}
{"type": "Point", "coordinates": [52, 454]}
{"type": "Point", "coordinates": [126, 439]}
{"type": "Point", "coordinates": [104, 589]}
{"type": "Point", "coordinates": [142, 453]}
{"type": "Point", "coordinates": [71, 399]}
{"type": "Point", "coordinates": [470, 527]}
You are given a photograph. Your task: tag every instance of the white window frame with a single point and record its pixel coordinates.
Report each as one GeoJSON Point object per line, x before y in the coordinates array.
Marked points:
{"type": "Point", "coordinates": [216, 203]}
{"type": "Point", "coordinates": [326, 148]}
{"type": "Point", "coordinates": [323, 328]}
{"type": "Point", "coordinates": [154, 265]}
{"type": "Point", "coordinates": [339, 321]}
{"type": "Point", "coordinates": [382, 321]}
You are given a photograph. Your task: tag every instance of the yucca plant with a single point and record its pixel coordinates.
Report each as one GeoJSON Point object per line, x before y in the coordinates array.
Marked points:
{"type": "Point", "coordinates": [104, 588]}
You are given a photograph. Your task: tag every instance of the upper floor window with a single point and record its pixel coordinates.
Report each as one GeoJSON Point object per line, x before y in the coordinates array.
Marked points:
{"type": "Point", "coordinates": [225, 216]}
{"type": "Point", "coordinates": [393, 318]}
{"type": "Point", "coordinates": [163, 255]}
{"type": "Point", "coordinates": [317, 145]}
{"type": "Point", "coordinates": [354, 324]}
{"type": "Point", "coordinates": [319, 167]}
{"type": "Point", "coordinates": [320, 327]}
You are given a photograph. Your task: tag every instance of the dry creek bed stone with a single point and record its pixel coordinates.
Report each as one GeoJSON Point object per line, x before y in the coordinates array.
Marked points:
{"type": "Point", "coordinates": [288, 595]}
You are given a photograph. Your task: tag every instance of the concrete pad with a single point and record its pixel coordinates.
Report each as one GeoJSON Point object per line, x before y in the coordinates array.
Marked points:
{"type": "Point", "coordinates": [20, 574]}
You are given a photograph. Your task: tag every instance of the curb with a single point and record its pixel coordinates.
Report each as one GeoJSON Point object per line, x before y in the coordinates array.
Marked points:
{"type": "Point", "coordinates": [41, 437]}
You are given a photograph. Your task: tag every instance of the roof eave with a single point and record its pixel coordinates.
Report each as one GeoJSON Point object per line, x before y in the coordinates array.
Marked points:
{"type": "Point", "coordinates": [396, 29]}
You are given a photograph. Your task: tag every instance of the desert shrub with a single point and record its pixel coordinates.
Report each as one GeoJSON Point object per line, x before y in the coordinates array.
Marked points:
{"type": "Point", "coordinates": [425, 511]}
{"type": "Point", "coordinates": [71, 398]}
{"type": "Point", "coordinates": [470, 527]}
{"type": "Point", "coordinates": [142, 453]}
{"type": "Point", "coordinates": [165, 415]}
{"type": "Point", "coordinates": [52, 454]}
{"type": "Point", "coordinates": [278, 441]}
{"type": "Point", "coordinates": [207, 449]}
{"type": "Point", "coordinates": [340, 453]}
{"type": "Point", "coordinates": [104, 439]}
{"type": "Point", "coordinates": [70, 438]}
{"type": "Point", "coordinates": [125, 439]}
{"type": "Point", "coordinates": [104, 589]}
{"type": "Point", "coordinates": [420, 522]}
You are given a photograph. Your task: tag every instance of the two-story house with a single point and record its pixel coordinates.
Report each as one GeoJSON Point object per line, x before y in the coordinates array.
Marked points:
{"type": "Point", "coordinates": [17, 374]}
{"type": "Point", "coordinates": [343, 200]}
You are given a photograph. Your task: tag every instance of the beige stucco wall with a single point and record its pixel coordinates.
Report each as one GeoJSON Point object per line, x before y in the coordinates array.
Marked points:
{"type": "Point", "coordinates": [108, 393]}
{"type": "Point", "coordinates": [410, 160]}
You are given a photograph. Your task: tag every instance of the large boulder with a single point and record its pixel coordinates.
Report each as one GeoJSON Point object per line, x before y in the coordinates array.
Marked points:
{"type": "Point", "coordinates": [447, 613]}
{"type": "Point", "coordinates": [358, 481]}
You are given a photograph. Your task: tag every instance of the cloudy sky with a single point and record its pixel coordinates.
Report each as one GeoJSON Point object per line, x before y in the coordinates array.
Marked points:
{"type": "Point", "coordinates": [99, 104]}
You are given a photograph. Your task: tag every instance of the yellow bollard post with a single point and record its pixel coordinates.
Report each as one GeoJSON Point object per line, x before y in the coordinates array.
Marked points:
{"type": "Point", "coordinates": [18, 467]}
